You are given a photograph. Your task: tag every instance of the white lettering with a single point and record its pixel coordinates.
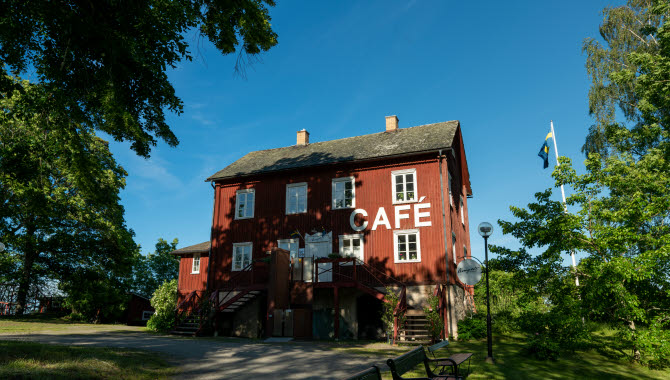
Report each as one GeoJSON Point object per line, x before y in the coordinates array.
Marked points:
{"type": "Point", "coordinates": [418, 215]}
{"type": "Point", "coordinates": [352, 220]}
{"type": "Point", "coordinates": [381, 218]}
{"type": "Point", "coordinates": [399, 216]}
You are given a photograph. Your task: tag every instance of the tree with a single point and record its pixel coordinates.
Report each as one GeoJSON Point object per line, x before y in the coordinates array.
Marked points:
{"type": "Point", "coordinates": [628, 73]}
{"type": "Point", "coordinates": [621, 221]}
{"type": "Point", "coordinates": [106, 62]}
{"type": "Point", "coordinates": [150, 271]}
{"type": "Point", "coordinates": [59, 198]}
{"type": "Point", "coordinates": [164, 301]}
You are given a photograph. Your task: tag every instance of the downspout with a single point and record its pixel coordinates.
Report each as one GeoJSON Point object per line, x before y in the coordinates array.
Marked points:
{"type": "Point", "coordinates": [446, 249]}
{"type": "Point", "coordinates": [210, 262]}
{"type": "Point", "coordinates": [211, 244]}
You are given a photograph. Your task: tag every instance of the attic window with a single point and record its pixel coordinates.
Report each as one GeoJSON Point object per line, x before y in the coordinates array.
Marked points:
{"type": "Point", "coordinates": [244, 204]}
{"type": "Point", "coordinates": [343, 193]}
{"type": "Point", "coordinates": [404, 185]}
{"type": "Point", "coordinates": [296, 198]}
{"type": "Point", "coordinates": [195, 268]}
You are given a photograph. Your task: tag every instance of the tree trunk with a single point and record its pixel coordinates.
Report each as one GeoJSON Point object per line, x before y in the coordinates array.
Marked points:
{"type": "Point", "coordinates": [30, 254]}
{"type": "Point", "coordinates": [636, 350]}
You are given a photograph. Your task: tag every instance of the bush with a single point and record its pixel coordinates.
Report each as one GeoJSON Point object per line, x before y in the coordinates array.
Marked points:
{"type": "Point", "coordinates": [552, 333]}
{"type": "Point", "coordinates": [389, 306]}
{"type": "Point", "coordinates": [472, 327]}
{"type": "Point", "coordinates": [165, 303]}
{"type": "Point", "coordinates": [435, 323]}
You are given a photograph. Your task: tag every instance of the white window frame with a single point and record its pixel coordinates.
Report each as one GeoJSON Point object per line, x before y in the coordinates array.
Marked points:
{"type": "Point", "coordinates": [290, 242]}
{"type": "Point", "coordinates": [146, 317]}
{"type": "Point", "coordinates": [195, 264]}
{"type": "Point", "coordinates": [395, 246]}
{"type": "Point", "coordinates": [462, 209]}
{"type": "Point", "coordinates": [451, 199]}
{"type": "Point", "coordinates": [350, 237]}
{"type": "Point", "coordinates": [353, 192]}
{"type": "Point", "coordinates": [288, 189]}
{"type": "Point", "coordinates": [453, 245]}
{"type": "Point", "coordinates": [238, 197]}
{"type": "Point", "coordinates": [251, 255]}
{"type": "Point", "coordinates": [395, 194]}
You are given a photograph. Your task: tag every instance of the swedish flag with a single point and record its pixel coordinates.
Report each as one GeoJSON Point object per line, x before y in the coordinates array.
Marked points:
{"type": "Point", "coordinates": [544, 151]}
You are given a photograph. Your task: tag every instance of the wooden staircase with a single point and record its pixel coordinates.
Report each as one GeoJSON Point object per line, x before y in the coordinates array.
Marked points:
{"type": "Point", "coordinates": [188, 327]}
{"type": "Point", "coordinates": [416, 328]}
{"type": "Point", "coordinates": [236, 300]}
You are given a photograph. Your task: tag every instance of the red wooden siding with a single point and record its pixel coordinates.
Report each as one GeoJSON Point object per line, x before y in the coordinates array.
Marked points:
{"type": "Point", "coordinates": [373, 184]}
{"type": "Point", "coordinates": [189, 282]}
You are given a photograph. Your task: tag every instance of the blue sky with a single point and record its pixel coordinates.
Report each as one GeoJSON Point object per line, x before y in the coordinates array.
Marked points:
{"type": "Point", "coordinates": [504, 69]}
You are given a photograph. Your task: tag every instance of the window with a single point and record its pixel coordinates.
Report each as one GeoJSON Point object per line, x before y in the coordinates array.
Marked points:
{"type": "Point", "coordinates": [462, 211]}
{"type": "Point", "coordinates": [244, 204]}
{"type": "Point", "coordinates": [465, 252]}
{"type": "Point", "coordinates": [451, 200]}
{"type": "Point", "coordinates": [343, 193]}
{"type": "Point", "coordinates": [407, 246]}
{"type": "Point", "coordinates": [351, 246]}
{"type": "Point", "coordinates": [195, 268]}
{"type": "Point", "coordinates": [290, 245]}
{"type": "Point", "coordinates": [296, 198]}
{"type": "Point", "coordinates": [453, 245]}
{"type": "Point", "coordinates": [146, 314]}
{"type": "Point", "coordinates": [241, 256]}
{"type": "Point", "coordinates": [404, 185]}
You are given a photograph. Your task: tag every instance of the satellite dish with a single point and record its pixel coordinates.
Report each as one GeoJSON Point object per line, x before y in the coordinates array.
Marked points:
{"type": "Point", "coordinates": [469, 272]}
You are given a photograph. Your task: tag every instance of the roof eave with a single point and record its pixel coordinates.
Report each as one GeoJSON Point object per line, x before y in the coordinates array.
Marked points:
{"type": "Point", "coordinates": [378, 158]}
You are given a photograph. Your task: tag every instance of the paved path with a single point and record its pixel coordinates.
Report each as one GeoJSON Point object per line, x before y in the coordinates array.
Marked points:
{"type": "Point", "coordinates": [214, 359]}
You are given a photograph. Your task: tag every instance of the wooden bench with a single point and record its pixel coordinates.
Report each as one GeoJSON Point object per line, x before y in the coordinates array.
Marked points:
{"type": "Point", "coordinates": [453, 361]}
{"type": "Point", "coordinates": [371, 373]}
{"type": "Point", "coordinates": [407, 362]}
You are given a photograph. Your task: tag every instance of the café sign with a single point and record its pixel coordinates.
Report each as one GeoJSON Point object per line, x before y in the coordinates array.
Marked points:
{"type": "Point", "coordinates": [469, 271]}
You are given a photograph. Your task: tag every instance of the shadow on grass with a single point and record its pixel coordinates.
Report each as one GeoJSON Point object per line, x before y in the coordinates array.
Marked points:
{"type": "Point", "coordinates": [36, 360]}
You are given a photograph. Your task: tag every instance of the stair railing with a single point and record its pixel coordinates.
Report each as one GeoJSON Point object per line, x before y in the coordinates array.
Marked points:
{"type": "Point", "coordinates": [187, 305]}
{"type": "Point", "coordinates": [234, 282]}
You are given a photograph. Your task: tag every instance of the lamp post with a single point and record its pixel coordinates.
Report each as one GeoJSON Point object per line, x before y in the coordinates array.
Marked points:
{"type": "Point", "coordinates": [486, 229]}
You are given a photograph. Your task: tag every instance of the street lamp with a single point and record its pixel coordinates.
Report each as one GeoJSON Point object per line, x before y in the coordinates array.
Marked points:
{"type": "Point", "coordinates": [486, 229]}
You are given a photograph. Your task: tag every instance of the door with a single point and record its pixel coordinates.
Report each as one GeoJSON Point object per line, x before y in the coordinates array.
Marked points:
{"type": "Point", "coordinates": [320, 245]}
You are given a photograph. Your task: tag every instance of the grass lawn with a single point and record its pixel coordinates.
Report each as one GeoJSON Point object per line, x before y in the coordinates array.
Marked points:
{"type": "Point", "coordinates": [27, 360]}
{"type": "Point", "coordinates": [45, 322]}
{"type": "Point", "coordinates": [512, 363]}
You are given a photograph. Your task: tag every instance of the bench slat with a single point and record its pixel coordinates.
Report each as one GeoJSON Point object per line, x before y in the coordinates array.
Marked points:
{"type": "Point", "coordinates": [371, 373]}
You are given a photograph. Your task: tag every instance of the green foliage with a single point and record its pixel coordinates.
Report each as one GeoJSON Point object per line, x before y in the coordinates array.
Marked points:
{"type": "Point", "coordinates": [511, 294]}
{"type": "Point", "coordinates": [60, 212]}
{"type": "Point", "coordinates": [391, 301]}
{"type": "Point", "coordinates": [106, 62]}
{"type": "Point", "coordinates": [164, 302]}
{"type": "Point", "coordinates": [150, 271]}
{"type": "Point", "coordinates": [435, 323]}
{"type": "Point", "coordinates": [472, 327]}
{"type": "Point", "coordinates": [654, 342]}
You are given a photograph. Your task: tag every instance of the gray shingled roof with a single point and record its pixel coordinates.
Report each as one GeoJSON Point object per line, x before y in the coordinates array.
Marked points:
{"type": "Point", "coordinates": [197, 248]}
{"type": "Point", "coordinates": [384, 144]}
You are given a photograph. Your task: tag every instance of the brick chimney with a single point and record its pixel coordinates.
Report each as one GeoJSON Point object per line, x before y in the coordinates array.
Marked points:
{"type": "Point", "coordinates": [303, 137]}
{"type": "Point", "coordinates": [391, 123]}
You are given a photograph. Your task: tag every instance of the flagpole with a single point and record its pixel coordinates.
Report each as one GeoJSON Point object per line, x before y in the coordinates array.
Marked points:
{"type": "Point", "coordinates": [565, 205]}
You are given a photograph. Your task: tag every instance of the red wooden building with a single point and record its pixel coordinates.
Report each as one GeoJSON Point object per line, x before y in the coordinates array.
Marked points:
{"type": "Point", "coordinates": [305, 238]}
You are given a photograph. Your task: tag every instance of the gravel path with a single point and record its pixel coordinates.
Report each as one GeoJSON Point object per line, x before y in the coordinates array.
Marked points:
{"type": "Point", "coordinates": [216, 359]}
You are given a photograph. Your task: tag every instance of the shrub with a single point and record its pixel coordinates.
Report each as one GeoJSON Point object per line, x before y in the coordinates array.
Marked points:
{"type": "Point", "coordinates": [164, 301]}
{"type": "Point", "coordinates": [472, 327]}
{"type": "Point", "coordinates": [391, 302]}
{"type": "Point", "coordinates": [435, 323]}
